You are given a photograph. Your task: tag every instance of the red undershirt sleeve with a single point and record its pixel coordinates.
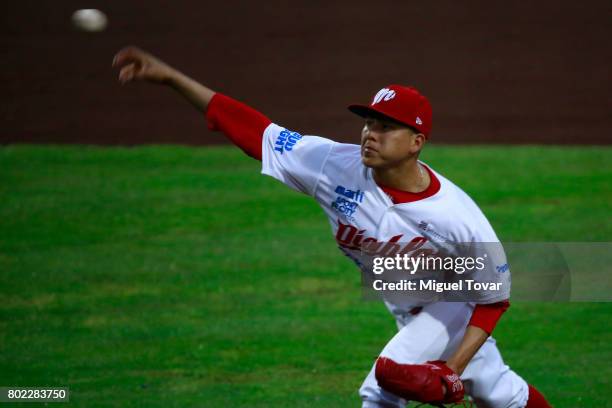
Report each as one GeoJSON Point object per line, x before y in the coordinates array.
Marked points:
{"type": "Point", "coordinates": [487, 316]}
{"type": "Point", "coordinates": [243, 125]}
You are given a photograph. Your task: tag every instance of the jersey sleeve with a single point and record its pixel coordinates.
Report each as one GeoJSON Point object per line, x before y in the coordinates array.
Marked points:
{"type": "Point", "coordinates": [293, 159]}
{"type": "Point", "coordinates": [486, 249]}
{"type": "Point", "coordinates": [243, 125]}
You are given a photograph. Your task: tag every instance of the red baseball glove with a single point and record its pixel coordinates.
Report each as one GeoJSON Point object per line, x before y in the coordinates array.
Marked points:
{"type": "Point", "coordinates": [420, 382]}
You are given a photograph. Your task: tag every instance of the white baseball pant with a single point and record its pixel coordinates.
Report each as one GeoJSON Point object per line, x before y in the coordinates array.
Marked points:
{"type": "Point", "coordinates": [433, 334]}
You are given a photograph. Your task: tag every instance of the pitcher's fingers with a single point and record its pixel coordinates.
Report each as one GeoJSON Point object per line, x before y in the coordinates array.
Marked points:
{"type": "Point", "coordinates": [128, 55]}
{"type": "Point", "coordinates": [127, 73]}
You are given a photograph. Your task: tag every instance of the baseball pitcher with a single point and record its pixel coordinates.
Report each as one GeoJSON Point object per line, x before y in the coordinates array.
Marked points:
{"type": "Point", "coordinates": [376, 194]}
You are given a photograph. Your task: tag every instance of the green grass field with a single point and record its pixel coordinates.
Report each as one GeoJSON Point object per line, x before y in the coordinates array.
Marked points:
{"type": "Point", "coordinates": [180, 277]}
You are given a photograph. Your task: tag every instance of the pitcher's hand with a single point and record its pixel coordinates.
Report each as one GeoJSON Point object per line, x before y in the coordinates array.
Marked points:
{"type": "Point", "coordinates": [135, 64]}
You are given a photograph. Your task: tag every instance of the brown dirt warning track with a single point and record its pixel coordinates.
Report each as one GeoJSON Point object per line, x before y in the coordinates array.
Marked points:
{"type": "Point", "coordinates": [495, 72]}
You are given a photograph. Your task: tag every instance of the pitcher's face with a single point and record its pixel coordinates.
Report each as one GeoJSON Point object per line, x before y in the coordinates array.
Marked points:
{"type": "Point", "coordinates": [385, 143]}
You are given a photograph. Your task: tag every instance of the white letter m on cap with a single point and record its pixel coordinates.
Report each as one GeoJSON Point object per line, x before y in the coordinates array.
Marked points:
{"type": "Point", "coordinates": [385, 94]}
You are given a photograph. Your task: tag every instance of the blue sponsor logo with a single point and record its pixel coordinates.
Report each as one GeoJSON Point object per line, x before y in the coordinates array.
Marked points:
{"type": "Point", "coordinates": [350, 194]}
{"type": "Point", "coordinates": [502, 268]}
{"type": "Point", "coordinates": [345, 206]}
{"type": "Point", "coordinates": [286, 140]}
{"type": "Point", "coordinates": [347, 201]}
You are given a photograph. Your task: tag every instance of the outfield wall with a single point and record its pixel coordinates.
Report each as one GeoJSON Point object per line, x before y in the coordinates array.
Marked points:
{"type": "Point", "coordinates": [508, 72]}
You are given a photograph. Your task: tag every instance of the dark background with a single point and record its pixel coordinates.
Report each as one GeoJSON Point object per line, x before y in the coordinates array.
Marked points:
{"type": "Point", "coordinates": [511, 72]}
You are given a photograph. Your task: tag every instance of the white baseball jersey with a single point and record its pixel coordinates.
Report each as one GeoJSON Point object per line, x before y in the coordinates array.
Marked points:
{"type": "Point", "coordinates": [360, 214]}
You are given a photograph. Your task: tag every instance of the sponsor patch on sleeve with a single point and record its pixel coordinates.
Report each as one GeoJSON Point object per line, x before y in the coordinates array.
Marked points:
{"type": "Point", "coordinates": [286, 140]}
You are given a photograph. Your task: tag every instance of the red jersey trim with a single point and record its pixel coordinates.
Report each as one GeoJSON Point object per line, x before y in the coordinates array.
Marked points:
{"type": "Point", "coordinates": [401, 197]}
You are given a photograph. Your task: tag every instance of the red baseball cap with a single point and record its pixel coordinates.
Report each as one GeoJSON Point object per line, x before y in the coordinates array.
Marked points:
{"type": "Point", "coordinates": [403, 104]}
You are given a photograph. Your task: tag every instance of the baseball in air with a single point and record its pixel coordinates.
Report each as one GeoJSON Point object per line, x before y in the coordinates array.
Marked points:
{"type": "Point", "coordinates": [90, 20]}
